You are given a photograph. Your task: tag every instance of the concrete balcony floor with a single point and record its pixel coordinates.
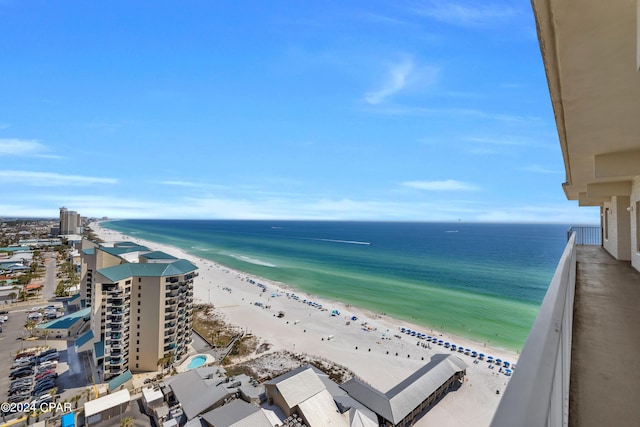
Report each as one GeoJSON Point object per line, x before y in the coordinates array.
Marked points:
{"type": "Point", "coordinates": [605, 361]}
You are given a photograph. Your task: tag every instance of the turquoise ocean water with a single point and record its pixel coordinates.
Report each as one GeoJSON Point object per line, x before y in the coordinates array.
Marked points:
{"type": "Point", "coordinates": [481, 281]}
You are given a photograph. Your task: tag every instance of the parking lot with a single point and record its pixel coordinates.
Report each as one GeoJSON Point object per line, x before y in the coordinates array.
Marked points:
{"type": "Point", "coordinates": [71, 369]}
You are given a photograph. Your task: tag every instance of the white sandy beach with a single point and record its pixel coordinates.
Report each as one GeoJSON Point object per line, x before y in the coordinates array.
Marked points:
{"type": "Point", "coordinates": [369, 351]}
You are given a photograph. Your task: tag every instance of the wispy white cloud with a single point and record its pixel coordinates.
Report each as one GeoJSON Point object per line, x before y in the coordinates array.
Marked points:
{"type": "Point", "coordinates": [446, 185]}
{"type": "Point", "coordinates": [561, 213]}
{"type": "Point", "coordinates": [20, 147]}
{"type": "Point", "coordinates": [49, 179]}
{"type": "Point", "coordinates": [467, 14]}
{"type": "Point", "coordinates": [309, 208]}
{"type": "Point", "coordinates": [396, 80]}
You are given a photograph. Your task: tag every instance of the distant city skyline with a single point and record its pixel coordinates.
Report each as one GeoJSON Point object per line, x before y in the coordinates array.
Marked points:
{"type": "Point", "coordinates": [359, 110]}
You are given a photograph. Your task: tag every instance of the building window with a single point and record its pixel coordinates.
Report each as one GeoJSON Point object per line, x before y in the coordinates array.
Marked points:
{"type": "Point", "coordinates": [138, 311]}
{"type": "Point", "coordinates": [128, 282]}
{"type": "Point", "coordinates": [139, 279]}
{"type": "Point", "coordinates": [606, 224]}
{"type": "Point", "coordinates": [137, 365]}
{"type": "Point", "coordinates": [139, 296]}
{"type": "Point", "coordinates": [138, 302]}
{"type": "Point", "coordinates": [139, 287]}
{"type": "Point", "coordinates": [138, 318]}
{"type": "Point", "coordinates": [138, 342]}
{"type": "Point", "coordinates": [137, 334]}
{"type": "Point", "coordinates": [137, 358]}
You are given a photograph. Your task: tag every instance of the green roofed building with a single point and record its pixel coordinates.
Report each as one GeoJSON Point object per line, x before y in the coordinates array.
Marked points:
{"type": "Point", "coordinates": [141, 304]}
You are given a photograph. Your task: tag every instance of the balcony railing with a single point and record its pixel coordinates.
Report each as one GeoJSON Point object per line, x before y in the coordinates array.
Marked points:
{"type": "Point", "coordinates": [538, 392]}
{"type": "Point", "coordinates": [586, 235]}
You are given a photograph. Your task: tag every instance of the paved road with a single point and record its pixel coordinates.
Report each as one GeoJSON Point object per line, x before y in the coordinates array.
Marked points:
{"type": "Point", "coordinates": [49, 290]}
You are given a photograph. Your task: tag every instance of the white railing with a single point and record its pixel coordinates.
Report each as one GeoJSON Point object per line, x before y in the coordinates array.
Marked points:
{"type": "Point", "coordinates": [538, 392]}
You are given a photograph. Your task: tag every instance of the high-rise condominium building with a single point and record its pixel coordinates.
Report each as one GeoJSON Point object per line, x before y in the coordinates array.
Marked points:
{"type": "Point", "coordinates": [141, 306]}
{"type": "Point", "coordinates": [70, 222]}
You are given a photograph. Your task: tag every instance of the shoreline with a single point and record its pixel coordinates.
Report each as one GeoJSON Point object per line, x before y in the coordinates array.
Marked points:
{"type": "Point", "coordinates": [372, 346]}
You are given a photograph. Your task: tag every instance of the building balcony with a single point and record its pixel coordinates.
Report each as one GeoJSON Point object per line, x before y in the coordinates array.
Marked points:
{"type": "Point", "coordinates": [116, 361]}
{"type": "Point", "coordinates": [169, 347]}
{"type": "Point", "coordinates": [582, 371]}
{"type": "Point", "coordinates": [171, 316]}
{"type": "Point", "coordinates": [171, 294]}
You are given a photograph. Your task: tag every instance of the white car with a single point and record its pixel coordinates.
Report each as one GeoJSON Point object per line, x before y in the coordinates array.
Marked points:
{"type": "Point", "coordinates": [45, 398]}
{"type": "Point", "coordinates": [49, 364]}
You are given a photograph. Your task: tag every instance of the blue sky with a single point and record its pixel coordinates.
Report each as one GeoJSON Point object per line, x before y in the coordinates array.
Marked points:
{"type": "Point", "coordinates": [372, 110]}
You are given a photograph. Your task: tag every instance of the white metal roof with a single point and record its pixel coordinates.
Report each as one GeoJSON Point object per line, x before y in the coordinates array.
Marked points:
{"type": "Point", "coordinates": [109, 401]}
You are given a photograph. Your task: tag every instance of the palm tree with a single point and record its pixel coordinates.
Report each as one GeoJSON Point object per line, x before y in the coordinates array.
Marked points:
{"type": "Point", "coordinates": [126, 422]}
{"type": "Point", "coordinates": [75, 399]}
{"type": "Point", "coordinates": [29, 326]}
{"type": "Point", "coordinates": [164, 361]}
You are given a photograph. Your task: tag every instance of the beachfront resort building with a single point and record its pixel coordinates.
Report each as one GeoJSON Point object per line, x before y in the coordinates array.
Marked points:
{"type": "Point", "coordinates": [309, 395]}
{"type": "Point", "coordinates": [141, 305]}
{"type": "Point", "coordinates": [70, 222]}
{"type": "Point", "coordinates": [579, 365]}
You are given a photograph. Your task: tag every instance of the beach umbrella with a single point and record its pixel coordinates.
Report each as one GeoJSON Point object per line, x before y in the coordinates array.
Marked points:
{"type": "Point", "coordinates": [508, 372]}
{"type": "Point", "coordinates": [481, 355]}
{"type": "Point", "coordinates": [453, 346]}
{"type": "Point", "coordinates": [474, 353]}
{"type": "Point", "coordinates": [498, 361]}
{"type": "Point", "coordinates": [490, 359]}
{"type": "Point", "coordinates": [401, 329]}
{"type": "Point", "coordinates": [429, 337]}
{"type": "Point", "coordinates": [506, 364]}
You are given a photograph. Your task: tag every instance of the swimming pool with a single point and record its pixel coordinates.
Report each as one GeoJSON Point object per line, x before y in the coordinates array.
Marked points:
{"type": "Point", "coordinates": [196, 362]}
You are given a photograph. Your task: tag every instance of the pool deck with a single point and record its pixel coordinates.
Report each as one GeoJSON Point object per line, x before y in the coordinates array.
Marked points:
{"type": "Point", "coordinates": [184, 366]}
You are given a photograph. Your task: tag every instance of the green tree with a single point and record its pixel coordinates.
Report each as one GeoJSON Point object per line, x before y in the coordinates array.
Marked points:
{"type": "Point", "coordinates": [30, 326]}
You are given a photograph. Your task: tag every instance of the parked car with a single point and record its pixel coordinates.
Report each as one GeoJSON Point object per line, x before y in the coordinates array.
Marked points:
{"type": "Point", "coordinates": [21, 363]}
{"type": "Point", "coordinates": [47, 351]}
{"type": "Point", "coordinates": [20, 373]}
{"type": "Point", "coordinates": [44, 398]}
{"type": "Point", "coordinates": [4, 312]}
{"type": "Point", "coordinates": [44, 386]}
{"type": "Point", "coordinates": [50, 364]}
{"type": "Point", "coordinates": [19, 390]}
{"type": "Point", "coordinates": [18, 398]}
{"type": "Point", "coordinates": [24, 354]}
{"type": "Point", "coordinates": [22, 381]}
{"type": "Point", "coordinates": [50, 356]}
{"type": "Point", "coordinates": [45, 374]}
